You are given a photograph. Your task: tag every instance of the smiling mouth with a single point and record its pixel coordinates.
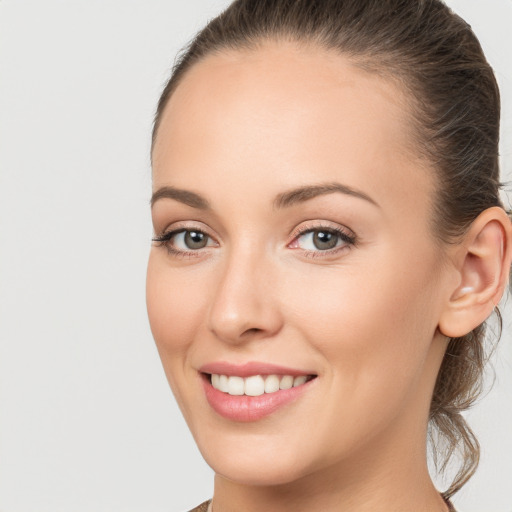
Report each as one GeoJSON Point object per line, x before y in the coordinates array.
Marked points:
{"type": "Point", "coordinates": [256, 385]}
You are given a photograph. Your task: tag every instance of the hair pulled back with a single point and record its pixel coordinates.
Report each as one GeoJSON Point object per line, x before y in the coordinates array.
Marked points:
{"type": "Point", "coordinates": [436, 57]}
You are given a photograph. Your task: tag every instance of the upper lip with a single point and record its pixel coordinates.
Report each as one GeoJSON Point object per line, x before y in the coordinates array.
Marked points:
{"type": "Point", "coordinates": [250, 368]}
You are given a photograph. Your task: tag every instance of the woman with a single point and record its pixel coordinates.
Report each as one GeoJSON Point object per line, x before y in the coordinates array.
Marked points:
{"type": "Point", "coordinates": [329, 241]}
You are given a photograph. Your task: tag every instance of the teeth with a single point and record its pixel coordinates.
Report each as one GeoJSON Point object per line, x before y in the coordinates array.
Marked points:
{"type": "Point", "coordinates": [286, 382]}
{"type": "Point", "coordinates": [255, 385]}
{"type": "Point", "coordinates": [236, 385]}
{"type": "Point", "coordinates": [271, 384]}
{"type": "Point", "coordinates": [223, 383]}
{"type": "Point", "coordinates": [298, 381]}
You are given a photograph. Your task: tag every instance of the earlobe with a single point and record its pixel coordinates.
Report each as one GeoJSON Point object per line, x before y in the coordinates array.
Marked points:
{"type": "Point", "coordinates": [483, 265]}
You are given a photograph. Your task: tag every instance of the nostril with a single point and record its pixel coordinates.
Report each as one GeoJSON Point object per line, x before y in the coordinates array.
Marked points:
{"type": "Point", "coordinates": [235, 319]}
{"type": "Point", "coordinates": [253, 330]}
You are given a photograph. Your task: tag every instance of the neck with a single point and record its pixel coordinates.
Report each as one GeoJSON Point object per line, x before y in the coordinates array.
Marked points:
{"type": "Point", "coordinates": [359, 485]}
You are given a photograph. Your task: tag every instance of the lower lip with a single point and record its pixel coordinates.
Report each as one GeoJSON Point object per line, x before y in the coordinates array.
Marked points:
{"type": "Point", "coordinates": [250, 408]}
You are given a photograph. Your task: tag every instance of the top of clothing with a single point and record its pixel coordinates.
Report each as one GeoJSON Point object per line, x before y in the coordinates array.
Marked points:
{"type": "Point", "coordinates": [204, 507]}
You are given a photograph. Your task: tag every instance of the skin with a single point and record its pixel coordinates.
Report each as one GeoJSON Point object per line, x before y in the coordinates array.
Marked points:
{"type": "Point", "coordinates": [240, 129]}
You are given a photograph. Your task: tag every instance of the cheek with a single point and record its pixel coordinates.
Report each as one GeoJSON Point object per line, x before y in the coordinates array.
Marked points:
{"type": "Point", "coordinates": [374, 327]}
{"type": "Point", "coordinates": [364, 308]}
{"type": "Point", "coordinates": [175, 307]}
{"type": "Point", "coordinates": [174, 304]}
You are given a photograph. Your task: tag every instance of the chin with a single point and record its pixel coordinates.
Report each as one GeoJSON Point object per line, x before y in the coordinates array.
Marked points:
{"type": "Point", "coordinates": [256, 472]}
{"type": "Point", "coordinates": [249, 462]}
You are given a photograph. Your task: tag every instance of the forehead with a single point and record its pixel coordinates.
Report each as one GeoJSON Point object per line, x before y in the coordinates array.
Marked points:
{"type": "Point", "coordinates": [293, 111]}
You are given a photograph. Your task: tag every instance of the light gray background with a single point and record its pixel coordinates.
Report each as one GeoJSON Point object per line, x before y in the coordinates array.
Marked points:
{"type": "Point", "coordinates": [87, 422]}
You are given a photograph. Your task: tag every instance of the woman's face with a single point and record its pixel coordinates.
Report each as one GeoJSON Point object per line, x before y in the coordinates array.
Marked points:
{"type": "Point", "coordinates": [297, 246]}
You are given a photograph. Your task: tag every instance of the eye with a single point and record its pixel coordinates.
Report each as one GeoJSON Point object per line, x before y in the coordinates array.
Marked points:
{"type": "Point", "coordinates": [184, 241]}
{"type": "Point", "coordinates": [322, 239]}
{"type": "Point", "coordinates": [190, 239]}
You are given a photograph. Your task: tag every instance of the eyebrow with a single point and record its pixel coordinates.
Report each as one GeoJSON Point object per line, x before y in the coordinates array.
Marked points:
{"type": "Point", "coordinates": [307, 192]}
{"type": "Point", "coordinates": [183, 196]}
{"type": "Point", "coordinates": [283, 200]}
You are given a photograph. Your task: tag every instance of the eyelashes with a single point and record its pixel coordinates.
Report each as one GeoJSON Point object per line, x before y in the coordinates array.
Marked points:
{"type": "Point", "coordinates": [322, 240]}
{"type": "Point", "coordinates": [313, 241]}
{"type": "Point", "coordinates": [191, 242]}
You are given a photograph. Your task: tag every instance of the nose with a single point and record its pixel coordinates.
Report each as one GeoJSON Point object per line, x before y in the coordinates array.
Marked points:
{"type": "Point", "coordinates": [244, 303]}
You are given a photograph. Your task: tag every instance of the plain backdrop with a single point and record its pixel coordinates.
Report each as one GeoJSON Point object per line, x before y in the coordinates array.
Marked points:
{"type": "Point", "coordinates": [87, 422]}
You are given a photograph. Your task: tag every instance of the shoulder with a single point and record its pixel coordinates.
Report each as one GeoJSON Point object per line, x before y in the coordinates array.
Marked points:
{"type": "Point", "coordinates": [201, 508]}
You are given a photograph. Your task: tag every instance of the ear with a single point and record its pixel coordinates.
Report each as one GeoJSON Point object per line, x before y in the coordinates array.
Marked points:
{"type": "Point", "coordinates": [483, 262]}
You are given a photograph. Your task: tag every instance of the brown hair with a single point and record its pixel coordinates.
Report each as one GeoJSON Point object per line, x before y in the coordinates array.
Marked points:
{"type": "Point", "coordinates": [435, 55]}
